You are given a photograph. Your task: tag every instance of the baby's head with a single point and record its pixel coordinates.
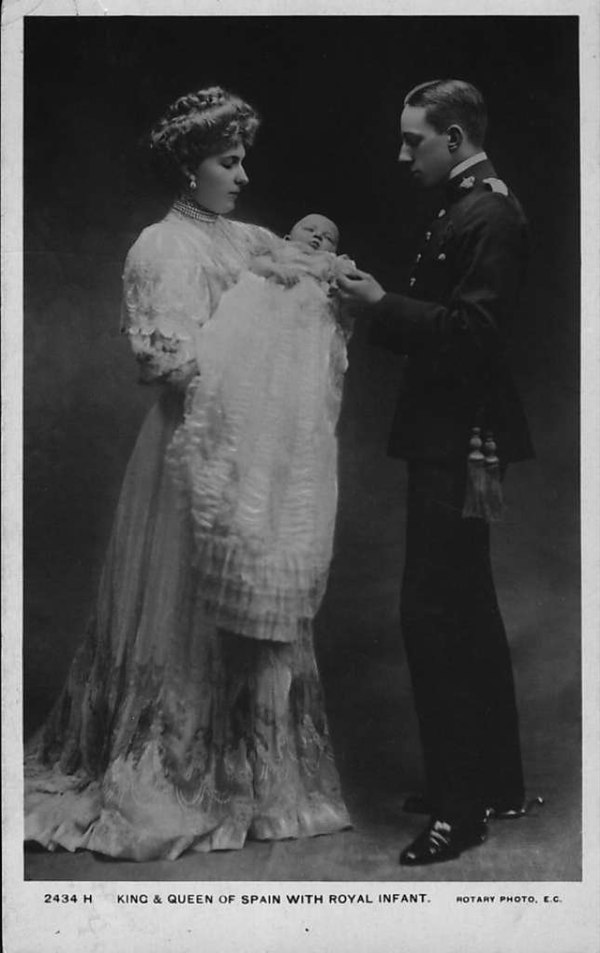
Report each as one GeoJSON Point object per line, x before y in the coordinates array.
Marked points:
{"type": "Point", "coordinates": [315, 233]}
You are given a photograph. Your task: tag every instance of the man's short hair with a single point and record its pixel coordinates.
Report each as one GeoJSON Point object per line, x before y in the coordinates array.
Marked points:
{"type": "Point", "coordinates": [449, 101]}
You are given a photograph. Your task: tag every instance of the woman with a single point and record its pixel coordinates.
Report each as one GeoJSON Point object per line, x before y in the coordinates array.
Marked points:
{"type": "Point", "coordinates": [171, 733]}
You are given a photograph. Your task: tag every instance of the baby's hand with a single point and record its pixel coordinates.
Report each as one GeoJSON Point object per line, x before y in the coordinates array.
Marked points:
{"type": "Point", "coordinates": [286, 275]}
{"type": "Point", "coordinates": [344, 266]}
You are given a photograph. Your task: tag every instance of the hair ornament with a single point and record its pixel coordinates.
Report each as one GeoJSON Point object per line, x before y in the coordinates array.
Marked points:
{"type": "Point", "coordinates": [198, 125]}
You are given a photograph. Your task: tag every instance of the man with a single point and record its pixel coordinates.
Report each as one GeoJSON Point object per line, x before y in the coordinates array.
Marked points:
{"type": "Point", "coordinates": [451, 326]}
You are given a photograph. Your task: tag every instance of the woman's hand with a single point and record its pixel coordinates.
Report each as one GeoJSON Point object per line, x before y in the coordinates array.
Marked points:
{"type": "Point", "coordinates": [181, 376]}
{"type": "Point", "coordinates": [359, 288]}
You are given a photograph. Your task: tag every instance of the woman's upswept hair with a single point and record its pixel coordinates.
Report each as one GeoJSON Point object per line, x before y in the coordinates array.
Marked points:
{"type": "Point", "coordinates": [448, 101]}
{"type": "Point", "coordinates": [199, 125]}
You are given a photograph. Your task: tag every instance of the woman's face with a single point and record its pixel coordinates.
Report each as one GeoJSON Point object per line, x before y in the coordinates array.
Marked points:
{"type": "Point", "coordinates": [220, 179]}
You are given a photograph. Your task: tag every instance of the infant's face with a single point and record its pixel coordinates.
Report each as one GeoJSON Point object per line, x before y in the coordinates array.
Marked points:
{"type": "Point", "coordinates": [315, 233]}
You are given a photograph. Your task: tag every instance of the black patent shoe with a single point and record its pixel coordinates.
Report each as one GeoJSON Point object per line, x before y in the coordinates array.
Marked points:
{"type": "Point", "coordinates": [508, 813]}
{"type": "Point", "coordinates": [441, 841]}
{"type": "Point", "coordinates": [418, 804]}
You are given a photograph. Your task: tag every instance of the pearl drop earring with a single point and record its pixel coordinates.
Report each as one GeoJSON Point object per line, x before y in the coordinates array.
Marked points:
{"type": "Point", "coordinates": [192, 183]}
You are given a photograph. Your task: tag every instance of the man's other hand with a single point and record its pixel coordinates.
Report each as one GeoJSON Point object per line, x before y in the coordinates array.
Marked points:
{"type": "Point", "coordinates": [360, 288]}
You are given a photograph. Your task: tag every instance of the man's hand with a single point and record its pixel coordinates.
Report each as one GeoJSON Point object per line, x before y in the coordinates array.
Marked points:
{"type": "Point", "coordinates": [361, 288]}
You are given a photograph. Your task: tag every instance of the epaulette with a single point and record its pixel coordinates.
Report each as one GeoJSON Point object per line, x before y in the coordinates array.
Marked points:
{"type": "Point", "coordinates": [496, 185]}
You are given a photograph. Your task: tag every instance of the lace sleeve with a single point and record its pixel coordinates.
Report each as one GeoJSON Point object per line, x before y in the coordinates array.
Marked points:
{"type": "Point", "coordinates": [165, 302]}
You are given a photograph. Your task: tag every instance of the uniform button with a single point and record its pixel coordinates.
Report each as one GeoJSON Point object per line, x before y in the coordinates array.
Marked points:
{"type": "Point", "coordinates": [441, 213]}
{"type": "Point", "coordinates": [442, 257]}
{"type": "Point", "coordinates": [427, 236]}
{"type": "Point", "coordinates": [412, 282]}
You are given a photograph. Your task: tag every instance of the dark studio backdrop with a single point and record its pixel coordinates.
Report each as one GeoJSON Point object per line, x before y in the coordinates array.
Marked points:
{"type": "Point", "coordinates": [330, 91]}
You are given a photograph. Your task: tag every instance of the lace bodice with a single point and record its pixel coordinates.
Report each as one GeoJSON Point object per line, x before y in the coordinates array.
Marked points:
{"type": "Point", "coordinates": [174, 276]}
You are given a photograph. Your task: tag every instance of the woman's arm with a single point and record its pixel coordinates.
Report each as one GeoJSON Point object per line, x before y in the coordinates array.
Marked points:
{"type": "Point", "coordinates": [165, 302]}
{"type": "Point", "coordinates": [162, 360]}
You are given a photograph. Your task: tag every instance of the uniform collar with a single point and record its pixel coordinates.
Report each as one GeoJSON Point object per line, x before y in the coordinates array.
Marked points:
{"type": "Point", "coordinates": [466, 164]}
{"type": "Point", "coordinates": [464, 182]}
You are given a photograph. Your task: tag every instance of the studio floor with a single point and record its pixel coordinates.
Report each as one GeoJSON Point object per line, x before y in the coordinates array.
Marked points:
{"type": "Point", "coordinates": [540, 847]}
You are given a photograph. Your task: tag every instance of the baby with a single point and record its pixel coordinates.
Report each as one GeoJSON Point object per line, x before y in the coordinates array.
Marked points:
{"type": "Point", "coordinates": [315, 232]}
{"type": "Point", "coordinates": [257, 452]}
{"type": "Point", "coordinates": [309, 249]}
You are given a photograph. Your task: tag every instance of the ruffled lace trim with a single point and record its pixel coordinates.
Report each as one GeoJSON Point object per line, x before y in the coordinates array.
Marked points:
{"type": "Point", "coordinates": [264, 597]}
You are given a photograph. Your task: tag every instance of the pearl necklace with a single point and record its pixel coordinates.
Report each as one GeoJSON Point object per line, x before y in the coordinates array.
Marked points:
{"type": "Point", "coordinates": [191, 210]}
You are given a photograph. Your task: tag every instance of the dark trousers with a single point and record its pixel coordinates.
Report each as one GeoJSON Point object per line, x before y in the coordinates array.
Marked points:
{"type": "Point", "coordinates": [457, 651]}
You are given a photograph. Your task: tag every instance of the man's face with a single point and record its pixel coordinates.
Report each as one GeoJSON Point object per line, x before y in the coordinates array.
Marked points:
{"type": "Point", "coordinates": [424, 150]}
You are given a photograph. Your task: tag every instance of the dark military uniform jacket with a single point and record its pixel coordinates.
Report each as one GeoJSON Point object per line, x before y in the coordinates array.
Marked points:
{"type": "Point", "coordinates": [452, 324]}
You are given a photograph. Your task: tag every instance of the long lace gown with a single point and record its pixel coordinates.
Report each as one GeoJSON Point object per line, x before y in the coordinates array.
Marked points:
{"type": "Point", "coordinates": [170, 733]}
